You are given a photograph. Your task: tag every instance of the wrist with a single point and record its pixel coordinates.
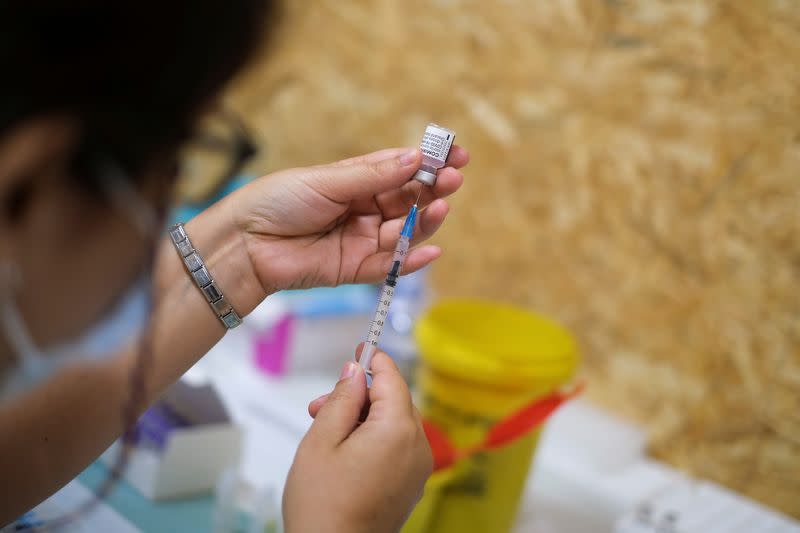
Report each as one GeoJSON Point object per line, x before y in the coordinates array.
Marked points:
{"type": "Point", "coordinates": [220, 243]}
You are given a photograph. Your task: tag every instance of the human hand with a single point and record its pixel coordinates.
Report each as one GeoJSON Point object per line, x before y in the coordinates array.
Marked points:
{"type": "Point", "coordinates": [353, 477]}
{"type": "Point", "coordinates": [339, 223]}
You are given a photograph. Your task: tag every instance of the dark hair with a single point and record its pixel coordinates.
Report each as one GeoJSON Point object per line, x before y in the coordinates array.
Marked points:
{"type": "Point", "coordinates": [135, 74]}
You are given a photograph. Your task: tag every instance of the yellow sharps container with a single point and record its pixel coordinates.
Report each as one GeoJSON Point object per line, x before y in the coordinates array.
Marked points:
{"type": "Point", "coordinates": [480, 362]}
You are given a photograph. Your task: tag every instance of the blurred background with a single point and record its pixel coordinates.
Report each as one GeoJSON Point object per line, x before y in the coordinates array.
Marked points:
{"type": "Point", "coordinates": [610, 342]}
{"type": "Point", "coordinates": [634, 175]}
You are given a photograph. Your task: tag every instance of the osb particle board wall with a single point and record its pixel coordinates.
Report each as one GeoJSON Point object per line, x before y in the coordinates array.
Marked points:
{"type": "Point", "coordinates": [635, 174]}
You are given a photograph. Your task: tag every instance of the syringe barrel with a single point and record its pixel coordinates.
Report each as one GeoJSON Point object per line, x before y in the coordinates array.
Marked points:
{"type": "Point", "coordinates": [384, 302]}
{"type": "Point", "coordinates": [400, 252]}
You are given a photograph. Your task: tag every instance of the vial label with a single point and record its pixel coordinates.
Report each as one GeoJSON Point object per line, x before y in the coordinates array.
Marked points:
{"type": "Point", "coordinates": [436, 143]}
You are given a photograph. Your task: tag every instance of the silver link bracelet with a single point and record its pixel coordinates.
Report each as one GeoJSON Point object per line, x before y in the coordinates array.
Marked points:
{"type": "Point", "coordinates": [202, 277]}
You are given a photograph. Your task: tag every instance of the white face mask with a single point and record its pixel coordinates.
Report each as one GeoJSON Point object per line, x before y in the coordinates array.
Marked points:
{"type": "Point", "coordinates": [105, 337]}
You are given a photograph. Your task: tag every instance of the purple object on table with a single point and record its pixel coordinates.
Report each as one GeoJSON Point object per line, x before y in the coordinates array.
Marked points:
{"type": "Point", "coordinates": [157, 423]}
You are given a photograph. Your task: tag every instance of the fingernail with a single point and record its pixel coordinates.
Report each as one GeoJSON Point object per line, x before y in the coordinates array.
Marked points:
{"type": "Point", "coordinates": [408, 157]}
{"type": "Point", "coordinates": [320, 397]}
{"type": "Point", "coordinates": [349, 370]}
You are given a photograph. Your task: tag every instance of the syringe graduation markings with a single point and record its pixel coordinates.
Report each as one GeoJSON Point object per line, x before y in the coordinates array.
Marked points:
{"type": "Point", "coordinates": [387, 291]}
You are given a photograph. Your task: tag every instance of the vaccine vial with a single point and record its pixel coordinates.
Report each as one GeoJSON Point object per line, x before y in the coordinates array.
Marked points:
{"type": "Point", "coordinates": [435, 146]}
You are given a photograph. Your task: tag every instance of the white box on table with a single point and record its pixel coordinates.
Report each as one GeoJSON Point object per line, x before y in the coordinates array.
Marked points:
{"type": "Point", "coordinates": [191, 457]}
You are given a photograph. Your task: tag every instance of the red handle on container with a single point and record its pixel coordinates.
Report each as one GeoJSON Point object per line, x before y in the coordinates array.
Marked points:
{"type": "Point", "coordinates": [504, 432]}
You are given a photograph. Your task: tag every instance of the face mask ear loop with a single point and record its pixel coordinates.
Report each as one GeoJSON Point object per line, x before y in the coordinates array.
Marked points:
{"type": "Point", "coordinates": [11, 320]}
{"type": "Point", "coordinates": [17, 334]}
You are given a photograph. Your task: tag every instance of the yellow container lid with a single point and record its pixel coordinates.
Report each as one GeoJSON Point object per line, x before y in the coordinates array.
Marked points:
{"type": "Point", "coordinates": [495, 344]}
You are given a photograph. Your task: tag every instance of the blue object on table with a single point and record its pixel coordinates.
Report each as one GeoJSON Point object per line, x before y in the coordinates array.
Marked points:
{"type": "Point", "coordinates": [321, 302]}
{"type": "Point", "coordinates": [186, 212]}
{"type": "Point", "coordinates": [192, 514]}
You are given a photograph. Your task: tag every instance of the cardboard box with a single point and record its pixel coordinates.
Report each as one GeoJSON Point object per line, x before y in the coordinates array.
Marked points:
{"type": "Point", "coordinates": [185, 442]}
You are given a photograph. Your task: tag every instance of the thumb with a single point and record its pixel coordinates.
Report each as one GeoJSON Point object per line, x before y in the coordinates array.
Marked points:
{"type": "Point", "coordinates": [340, 414]}
{"type": "Point", "coordinates": [342, 183]}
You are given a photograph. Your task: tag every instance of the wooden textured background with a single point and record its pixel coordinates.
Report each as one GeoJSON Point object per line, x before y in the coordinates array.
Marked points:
{"type": "Point", "coordinates": [635, 175]}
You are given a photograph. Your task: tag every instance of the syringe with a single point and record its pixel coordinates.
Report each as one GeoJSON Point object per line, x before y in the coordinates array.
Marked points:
{"type": "Point", "coordinates": [387, 290]}
{"type": "Point", "coordinates": [435, 147]}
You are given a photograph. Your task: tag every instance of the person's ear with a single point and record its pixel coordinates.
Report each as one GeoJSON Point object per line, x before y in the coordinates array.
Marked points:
{"type": "Point", "coordinates": [29, 151]}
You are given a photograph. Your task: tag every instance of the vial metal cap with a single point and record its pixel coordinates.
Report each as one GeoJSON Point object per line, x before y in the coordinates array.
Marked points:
{"type": "Point", "coordinates": [428, 178]}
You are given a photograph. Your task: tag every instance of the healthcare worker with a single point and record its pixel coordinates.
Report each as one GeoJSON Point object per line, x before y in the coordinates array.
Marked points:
{"type": "Point", "coordinates": [98, 100]}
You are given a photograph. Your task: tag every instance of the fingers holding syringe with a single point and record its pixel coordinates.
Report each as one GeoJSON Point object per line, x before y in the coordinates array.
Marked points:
{"type": "Point", "coordinates": [429, 220]}
{"type": "Point", "coordinates": [381, 368]}
{"type": "Point", "coordinates": [419, 257]}
{"type": "Point", "coordinates": [374, 268]}
{"type": "Point", "coordinates": [448, 181]}
{"type": "Point", "coordinates": [316, 404]}
{"type": "Point", "coordinates": [389, 394]}
{"type": "Point", "coordinates": [396, 202]}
